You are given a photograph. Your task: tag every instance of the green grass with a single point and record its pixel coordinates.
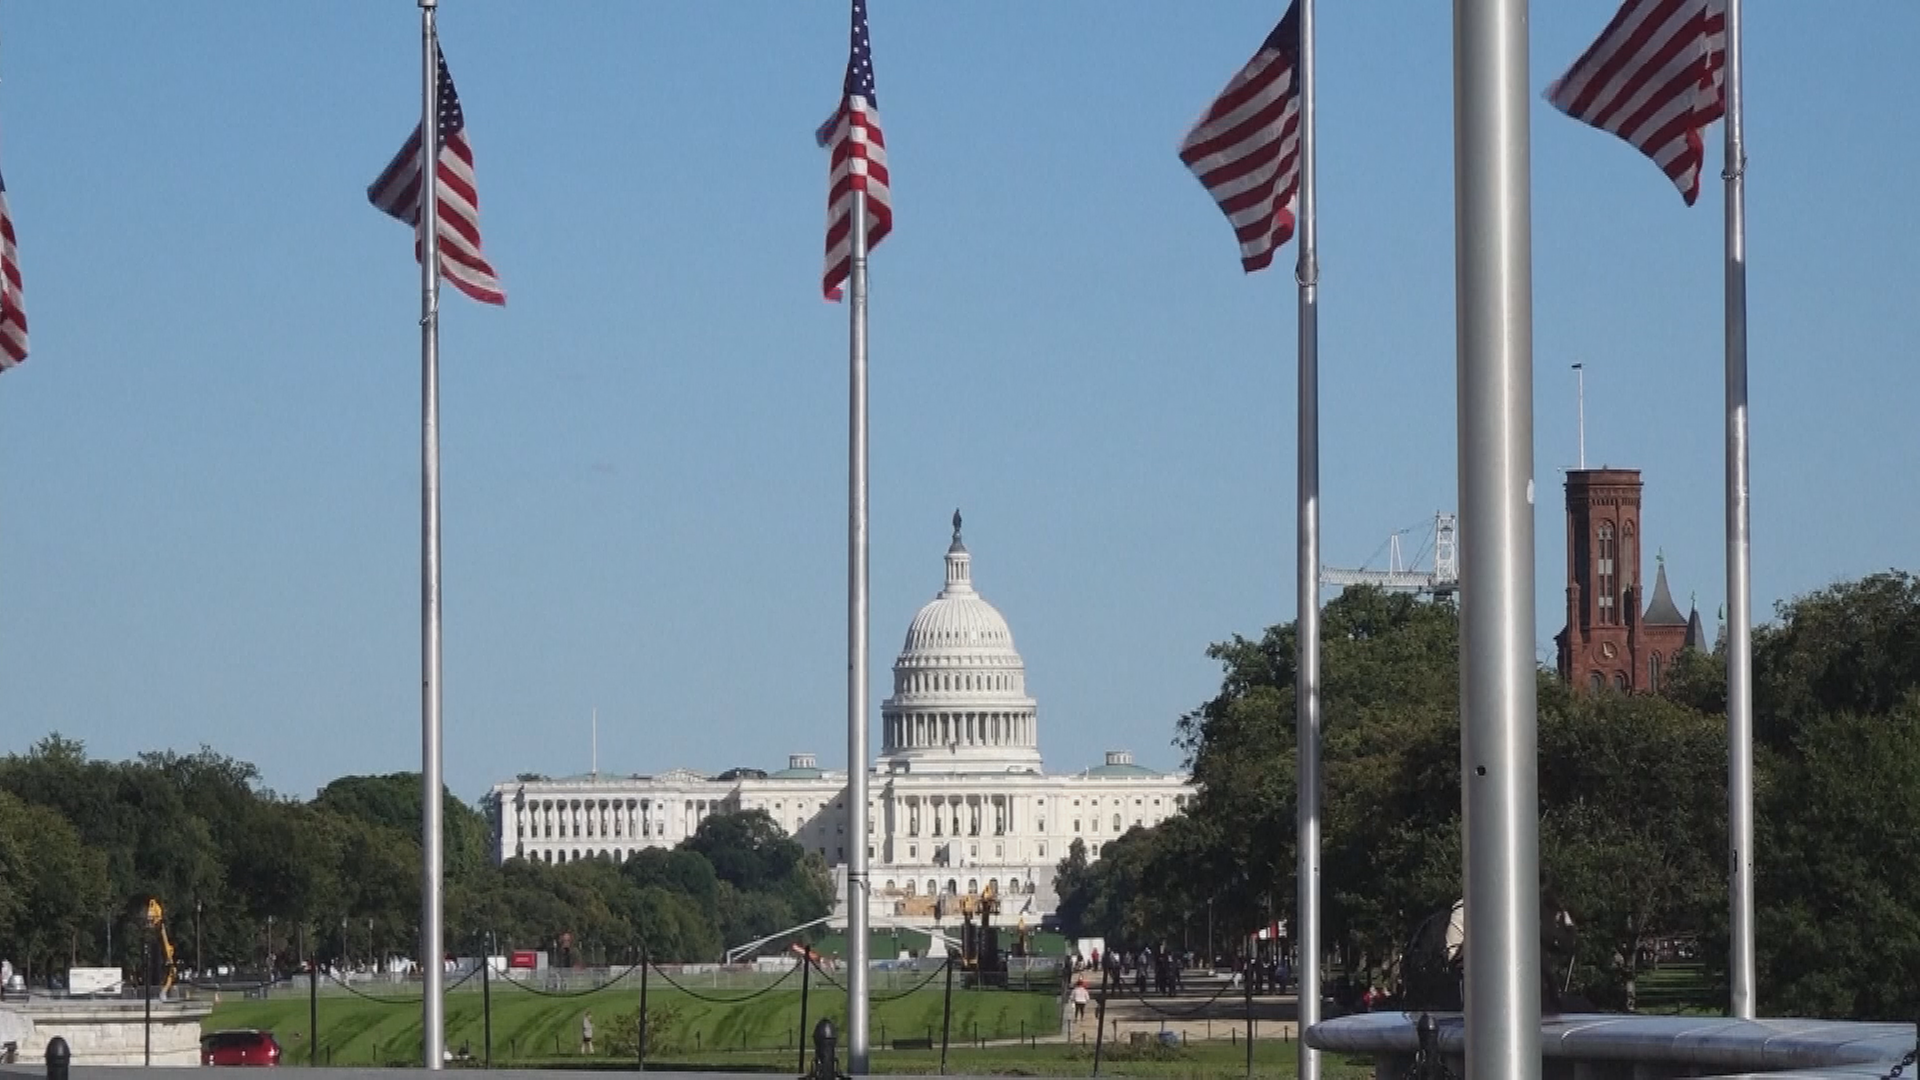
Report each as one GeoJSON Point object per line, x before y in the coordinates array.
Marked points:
{"type": "Point", "coordinates": [1679, 988]}
{"type": "Point", "coordinates": [532, 1029]}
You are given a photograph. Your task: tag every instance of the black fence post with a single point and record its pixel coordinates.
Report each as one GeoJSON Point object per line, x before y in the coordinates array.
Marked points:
{"type": "Point", "coordinates": [486, 1012]}
{"type": "Point", "coordinates": [313, 1011]}
{"type": "Point", "coordinates": [645, 963]}
{"type": "Point", "coordinates": [1247, 981]}
{"type": "Point", "coordinates": [1100, 1017]}
{"type": "Point", "coordinates": [146, 993]}
{"type": "Point", "coordinates": [806, 975]}
{"type": "Point", "coordinates": [946, 1014]}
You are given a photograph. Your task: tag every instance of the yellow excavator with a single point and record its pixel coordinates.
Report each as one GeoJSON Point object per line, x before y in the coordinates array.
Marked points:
{"type": "Point", "coordinates": [157, 923]}
{"type": "Point", "coordinates": [980, 953]}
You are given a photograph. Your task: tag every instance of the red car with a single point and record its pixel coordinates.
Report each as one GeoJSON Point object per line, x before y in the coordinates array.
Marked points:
{"type": "Point", "coordinates": [246, 1047]}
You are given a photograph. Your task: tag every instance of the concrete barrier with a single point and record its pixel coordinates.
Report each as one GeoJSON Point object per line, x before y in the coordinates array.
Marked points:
{"type": "Point", "coordinates": [1600, 1046]}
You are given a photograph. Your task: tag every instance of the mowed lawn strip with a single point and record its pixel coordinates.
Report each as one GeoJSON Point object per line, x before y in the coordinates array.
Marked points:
{"type": "Point", "coordinates": [529, 1027]}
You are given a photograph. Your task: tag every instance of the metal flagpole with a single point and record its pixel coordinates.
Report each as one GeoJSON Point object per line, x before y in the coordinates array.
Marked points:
{"type": "Point", "coordinates": [1739, 552]}
{"type": "Point", "coordinates": [1494, 313]}
{"type": "Point", "coordinates": [857, 644]}
{"type": "Point", "coordinates": [1580, 393]}
{"type": "Point", "coordinates": [1306, 685]}
{"type": "Point", "coordinates": [432, 1033]}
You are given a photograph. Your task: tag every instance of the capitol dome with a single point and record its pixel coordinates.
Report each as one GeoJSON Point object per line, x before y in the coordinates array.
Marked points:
{"type": "Point", "coordinates": [959, 699]}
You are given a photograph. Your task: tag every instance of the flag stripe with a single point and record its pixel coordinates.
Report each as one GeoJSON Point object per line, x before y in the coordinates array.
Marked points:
{"type": "Point", "coordinates": [13, 312]}
{"type": "Point", "coordinates": [1246, 150]}
{"type": "Point", "coordinates": [457, 211]}
{"type": "Point", "coordinates": [1655, 77]}
{"type": "Point", "coordinates": [856, 162]}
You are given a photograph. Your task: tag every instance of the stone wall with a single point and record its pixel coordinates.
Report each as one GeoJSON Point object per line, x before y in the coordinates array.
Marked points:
{"type": "Point", "coordinates": [106, 1032]}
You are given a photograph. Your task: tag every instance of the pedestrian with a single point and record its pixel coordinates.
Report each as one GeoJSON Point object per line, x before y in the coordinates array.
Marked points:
{"type": "Point", "coordinates": [1080, 999]}
{"type": "Point", "coordinates": [586, 1033]}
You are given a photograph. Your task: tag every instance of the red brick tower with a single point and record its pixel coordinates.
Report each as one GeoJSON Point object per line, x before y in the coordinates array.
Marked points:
{"type": "Point", "coordinates": [1609, 641]}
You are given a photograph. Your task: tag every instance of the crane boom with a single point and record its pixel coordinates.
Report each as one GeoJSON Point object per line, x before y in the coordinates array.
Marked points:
{"type": "Point", "coordinates": [1442, 580]}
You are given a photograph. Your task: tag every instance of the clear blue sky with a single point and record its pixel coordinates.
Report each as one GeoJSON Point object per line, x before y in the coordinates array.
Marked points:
{"type": "Point", "coordinates": [209, 468]}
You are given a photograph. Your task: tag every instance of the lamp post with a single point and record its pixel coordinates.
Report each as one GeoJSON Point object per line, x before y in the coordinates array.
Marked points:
{"type": "Point", "coordinates": [199, 967]}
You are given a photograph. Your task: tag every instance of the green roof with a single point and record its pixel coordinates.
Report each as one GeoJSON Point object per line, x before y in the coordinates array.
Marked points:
{"type": "Point", "coordinates": [1120, 770]}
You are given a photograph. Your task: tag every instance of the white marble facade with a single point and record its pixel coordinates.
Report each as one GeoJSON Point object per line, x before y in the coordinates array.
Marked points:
{"type": "Point", "coordinates": [958, 796]}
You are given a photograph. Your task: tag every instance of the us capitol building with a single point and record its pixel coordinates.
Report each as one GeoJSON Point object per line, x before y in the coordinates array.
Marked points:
{"type": "Point", "coordinates": [960, 800]}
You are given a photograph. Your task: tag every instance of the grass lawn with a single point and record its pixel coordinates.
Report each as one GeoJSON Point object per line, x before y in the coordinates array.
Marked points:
{"type": "Point", "coordinates": [1680, 988]}
{"type": "Point", "coordinates": [529, 1028]}
{"type": "Point", "coordinates": [756, 1035]}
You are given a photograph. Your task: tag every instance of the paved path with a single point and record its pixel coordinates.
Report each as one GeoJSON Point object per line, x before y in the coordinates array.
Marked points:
{"type": "Point", "coordinates": [1206, 1008]}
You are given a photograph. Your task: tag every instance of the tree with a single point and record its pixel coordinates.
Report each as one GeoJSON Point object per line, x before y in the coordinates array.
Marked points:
{"type": "Point", "coordinates": [1389, 708]}
{"type": "Point", "coordinates": [1073, 883]}
{"type": "Point", "coordinates": [1632, 797]}
{"type": "Point", "coordinates": [153, 845]}
{"type": "Point", "coordinates": [767, 881]}
{"type": "Point", "coordinates": [1632, 828]}
{"type": "Point", "coordinates": [746, 849]}
{"type": "Point", "coordinates": [1839, 835]}
{"type": "Point", "coordinates": [54, 887]}
{"type": "Point", "coordinates": [393, 801]}
{"type": "Point", "coordinates": [681, 870]}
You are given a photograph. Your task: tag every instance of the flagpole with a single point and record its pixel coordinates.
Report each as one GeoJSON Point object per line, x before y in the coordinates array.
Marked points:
{"type": "Point", "coordinates": [857, 538]}
{"type": "Point", "coordinates": [432, 1033]}
{"type": "Point", "coordinates": [1306, 685]}
{"type": "Point", "coordinates": [1739, 551]}
{"type": "Point", "coordinates": [1493, 266]}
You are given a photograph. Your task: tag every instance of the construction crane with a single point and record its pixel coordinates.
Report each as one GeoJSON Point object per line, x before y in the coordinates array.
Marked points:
{"type": "Point", "coordinates": [1442, 581]}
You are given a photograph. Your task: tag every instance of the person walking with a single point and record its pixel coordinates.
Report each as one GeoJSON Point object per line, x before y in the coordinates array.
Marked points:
{"type": "Point", "coordinates": [1080, 999]}
{"type": "Point", "coordinates": [586, 1033]}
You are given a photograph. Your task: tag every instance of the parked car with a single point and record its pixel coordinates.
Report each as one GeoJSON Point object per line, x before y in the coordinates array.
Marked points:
{"type": "Point", "coordinates": [243, 1047]}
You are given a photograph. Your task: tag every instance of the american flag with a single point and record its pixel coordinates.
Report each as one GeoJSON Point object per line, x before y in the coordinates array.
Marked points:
{"type": "Point", "coordinates": [397, 193]}
{"type": "Point", "coordinates": [859, 160]}
{"type": "Point", "coordinates": [1246, 149]}
{"type": "Point", "coordinates": [13, 313]}
{"type": "Point", "coordinates": [1655, 77]}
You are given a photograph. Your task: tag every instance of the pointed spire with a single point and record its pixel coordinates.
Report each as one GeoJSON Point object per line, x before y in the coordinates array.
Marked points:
{"type": "Point", "coordinates": [1661, 610]}
{"type": "Point", "coordinates": [1696, 633]}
